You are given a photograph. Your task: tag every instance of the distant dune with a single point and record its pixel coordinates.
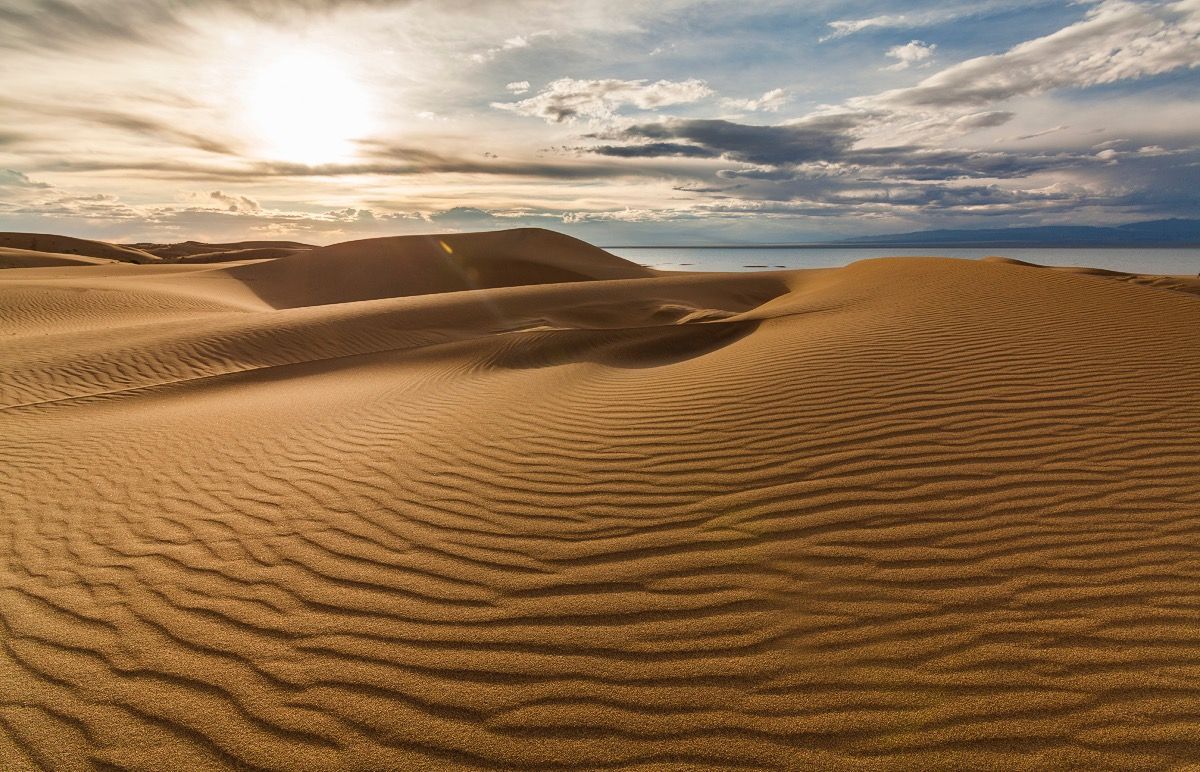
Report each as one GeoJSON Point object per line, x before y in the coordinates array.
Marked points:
{"type": "Point", "coordinates": [399, 266]}
{"type": "Point", "coordinates": [506, 500]}
{"type": "Point", "coordinates": [66, 245]}
{"type": "Point", "coordinates": [31, 258]}
{"type": "Point", "coordinates": [194, 249]}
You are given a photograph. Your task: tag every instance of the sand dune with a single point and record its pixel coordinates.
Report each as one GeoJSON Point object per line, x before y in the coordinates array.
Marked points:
{"type": "Point", "coordinates": [67, 245]}
{"type": "Point", "coordinates": [32, 258]}
{"type": "Point", "coordinates": [506, 500]}
{"type": "Point", "coordinates": [1189, 284]}
{"type": "Point", "coordinates": [418, 265]}
{"type": "Point", "coordinates": [247, 253]}
{"type": "Point", "coordinates": [190, 250]}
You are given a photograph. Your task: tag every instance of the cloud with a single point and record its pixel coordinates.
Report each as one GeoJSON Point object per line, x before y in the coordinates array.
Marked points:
{"type": "Point", "coordinates": [67, 24]}
{"type": "Point", "coordinates": [844, 27]}
{"type": "Point", "coordinates": [567, 99]}
{"type": "Point", "coordinates": [235, 203]}
{"type": "Point", "coordinates": [381, 159]}
{"type": "Point", "coordinates": [147, 126]}
{"type": "Point", "coordinates": [10, 138]}
{"type": "Point", "coordinates": [1117, 40]}
{"type": "Point", "coordinates": [11, 179]}
{"type": "Point", "coordinates": [914, 52]}
{"type": "Point", "coordinates": [812, 139]}
{"type": "Point", "coordinates": [144, 125]}
{"type": "Point", "coordinates": [98, 206]}
{"type": "Point", "coordinates": [983, 120]}
{"type": "Point", "coordinates": [940, 15]}
{"type": "Point", "coordinates": [656, 150]}
{"type": "Point", "coordinates": [1042, 133]}
{"type": "Point", "coordinates": [905, 150]}
{"type": "Point", "coordinates": [824, 149]}
{"type": "Point", "coordinates": [770, 101]}
{"type": "Point", "coordinates": [516, 41]}
{"type": "Point", "coordinates": [842, 198]}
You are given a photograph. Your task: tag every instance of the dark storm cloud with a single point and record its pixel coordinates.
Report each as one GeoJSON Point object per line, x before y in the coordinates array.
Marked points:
{"type": "Point", "coordinates": [824, 147]}
{"type": "Point", "coordinates": [814, 139]}
{"type": "Point", "coordinates": [842, 198]}
{"type": "Point", "coordinates": [917, 163]}
{"type": "Point", "coordinates": [656, 150]}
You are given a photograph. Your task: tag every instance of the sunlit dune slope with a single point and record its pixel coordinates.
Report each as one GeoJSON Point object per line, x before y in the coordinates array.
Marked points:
{"type": "Point", "coordinates": [1179, 283]}
{"type": "Point", "coordinates": [360, 508]}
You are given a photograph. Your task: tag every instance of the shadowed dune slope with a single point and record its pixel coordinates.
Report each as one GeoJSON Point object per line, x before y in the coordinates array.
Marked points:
{"type": "Point", "coordinates": [29, 258]}
{"type": "Point", "coordinates": [190, 251]}
{"type": "Point", "coordinates": [249, 253]}
{"type": "Point", "coordinates": [67, 245]}
{"type": "Point", "coordinates": [911, 513]}
{"type": "Point", "coordinates": [418, 265]}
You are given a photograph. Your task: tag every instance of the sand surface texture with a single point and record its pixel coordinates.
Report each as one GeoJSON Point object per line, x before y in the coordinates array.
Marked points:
{"type": "Point", "coordinates": [505, 500]}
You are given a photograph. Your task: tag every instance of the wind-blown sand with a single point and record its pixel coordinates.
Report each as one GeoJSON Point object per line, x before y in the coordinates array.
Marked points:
{"type": "Point", "coordinates": [365, 507]}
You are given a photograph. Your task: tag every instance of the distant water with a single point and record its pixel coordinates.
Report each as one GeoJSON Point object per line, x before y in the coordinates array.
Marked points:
{"type": "Point", "coordinates": [1167, 261]}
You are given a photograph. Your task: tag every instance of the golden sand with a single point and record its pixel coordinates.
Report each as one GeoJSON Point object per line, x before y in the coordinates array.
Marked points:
{"type": "Point", "coordinates": [506, 500]}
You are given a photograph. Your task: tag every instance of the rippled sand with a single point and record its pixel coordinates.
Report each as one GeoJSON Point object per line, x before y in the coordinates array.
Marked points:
{"type": "Point", "coordinates": [363, 507]}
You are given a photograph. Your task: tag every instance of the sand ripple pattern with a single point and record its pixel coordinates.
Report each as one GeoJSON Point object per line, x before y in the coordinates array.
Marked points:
{"type": "Point", "coordinates": [912, 513]}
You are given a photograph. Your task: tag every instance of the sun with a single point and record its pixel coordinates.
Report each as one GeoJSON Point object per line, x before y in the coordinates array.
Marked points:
{"type": "Point", "coordinates": [306, 106]}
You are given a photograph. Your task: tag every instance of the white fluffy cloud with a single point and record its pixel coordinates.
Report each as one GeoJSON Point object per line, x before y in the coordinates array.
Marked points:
{"type": "Point", "coordinates": [567, 99]}
{"type": "Point", "coordinates": [517, 87]}
{"type": "Point", "coordinates": [914, 52]}
{"type": "Point", "coordinates": [770, 101]}
{"type": "Point", "coordinates": [235, 203]}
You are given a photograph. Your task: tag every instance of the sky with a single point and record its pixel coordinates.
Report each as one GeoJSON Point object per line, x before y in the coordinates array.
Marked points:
{"type": "Point", "coordinates": [670, 122]}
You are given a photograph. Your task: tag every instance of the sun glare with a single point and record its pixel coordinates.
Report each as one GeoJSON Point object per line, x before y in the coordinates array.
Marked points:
{"type": "Point", "coordinates": [306, 106]}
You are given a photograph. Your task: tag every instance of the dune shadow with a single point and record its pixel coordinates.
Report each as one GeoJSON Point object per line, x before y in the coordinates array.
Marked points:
{"type": "Point", "coordinates": [629, 347]}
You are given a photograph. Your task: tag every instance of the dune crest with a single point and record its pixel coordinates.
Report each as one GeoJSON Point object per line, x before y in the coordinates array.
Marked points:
{"type": "Point", "coordinates": [506, 500]}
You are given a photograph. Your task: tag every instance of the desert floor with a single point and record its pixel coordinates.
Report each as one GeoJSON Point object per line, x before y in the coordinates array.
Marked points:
{"type": "Point", "coordinates": [368, 507]}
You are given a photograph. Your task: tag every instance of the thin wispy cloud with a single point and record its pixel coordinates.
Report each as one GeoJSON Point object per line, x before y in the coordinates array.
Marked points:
{"type": "Point", "coordinates": [926, 17]}
{"type": "Point", "coordinates": [512, 43]}
{"type": "Point", "coordinates": [770, 101]}
{"type": "Point", "coordinates": [1117, 41]}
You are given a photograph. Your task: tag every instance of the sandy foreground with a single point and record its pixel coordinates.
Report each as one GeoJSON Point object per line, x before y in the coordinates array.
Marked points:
{"type": "Point", "coordinates": [367, 507]}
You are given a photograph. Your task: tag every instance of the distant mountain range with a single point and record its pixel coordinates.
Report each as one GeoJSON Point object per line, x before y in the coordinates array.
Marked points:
{"type": "Point", "coordinates": [1175, 232]}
